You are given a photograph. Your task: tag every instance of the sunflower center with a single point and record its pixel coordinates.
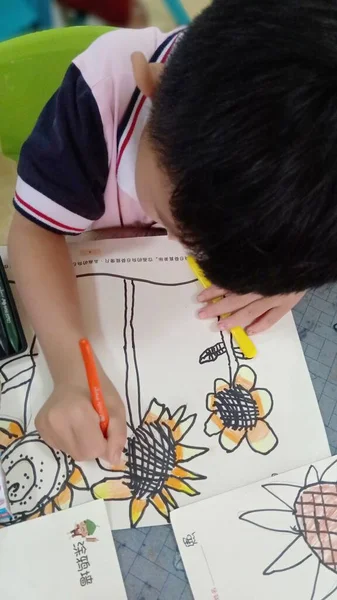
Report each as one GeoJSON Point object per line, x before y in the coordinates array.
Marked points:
{"type": "Point", "coordinates": [316, 516]}
{"type": "Point", "coordinates": [150, 459]}
{"type": "Point", "coordinates": [236, 408]}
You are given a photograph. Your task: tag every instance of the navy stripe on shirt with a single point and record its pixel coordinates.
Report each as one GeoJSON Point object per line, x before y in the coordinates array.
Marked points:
{"type": "Point", "coordinates": [65, 157]}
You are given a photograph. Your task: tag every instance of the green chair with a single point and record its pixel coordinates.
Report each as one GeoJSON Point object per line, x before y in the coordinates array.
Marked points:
{"type": "Point", "coordinates": [31, 69]}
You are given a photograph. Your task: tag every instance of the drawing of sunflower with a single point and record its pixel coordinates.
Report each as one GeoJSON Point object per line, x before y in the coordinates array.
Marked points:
{"type": "Point", "coordinates": [153, 467]}
{"type": "Point", "coordinates": [310, 518]}
{"type": "Point", "coordinates": [39, 479]}
{"type": "Point", "coordinates": [239, 411]}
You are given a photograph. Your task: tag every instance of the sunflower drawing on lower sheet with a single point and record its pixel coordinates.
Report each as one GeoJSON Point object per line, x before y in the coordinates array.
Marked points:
{"type": "Point", "coordinates": [309, 515]}
{"type": "Point", "coordinates": [239, 407]}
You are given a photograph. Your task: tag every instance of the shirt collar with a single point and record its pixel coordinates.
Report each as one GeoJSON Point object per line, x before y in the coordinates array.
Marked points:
{"type": "Point", "coordinates": [133, 123]}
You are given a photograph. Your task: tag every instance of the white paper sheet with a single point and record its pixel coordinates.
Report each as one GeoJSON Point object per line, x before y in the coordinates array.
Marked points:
{"type": "Point", "coordinates": [70, 555]}
{"type": "Point", "coordinates": [273, 539]}
{"type": "Point", "coordinates": [139, 301]}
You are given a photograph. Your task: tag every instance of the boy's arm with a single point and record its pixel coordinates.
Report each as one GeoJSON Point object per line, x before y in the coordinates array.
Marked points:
{"type": "Point", "coordinates": [47, 285]}
{"type": "Point", "coordinates": [46, 282]}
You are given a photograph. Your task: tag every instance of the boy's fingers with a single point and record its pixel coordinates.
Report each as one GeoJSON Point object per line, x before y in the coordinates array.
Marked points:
{"type": "Point", "coordinates": [244, 317]}
{"type": "Point", "coordinates": [267, 320]}
{"type": "Point", "coordinates": [211, 293]}
{"type": "Point", "coordinates": [230, 304]}
{"type": "Point", "coordinates": [88, 447]}
{"type": "Point", "coordinates": [116, 441]}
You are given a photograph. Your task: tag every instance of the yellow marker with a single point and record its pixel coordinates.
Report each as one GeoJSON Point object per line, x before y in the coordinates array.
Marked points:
{"type": "Point", "coordinates": [245, 343]}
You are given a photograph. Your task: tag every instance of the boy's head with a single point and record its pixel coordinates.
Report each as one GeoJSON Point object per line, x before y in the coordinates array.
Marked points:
{"type": "Point", "coordinates": [240, 154]}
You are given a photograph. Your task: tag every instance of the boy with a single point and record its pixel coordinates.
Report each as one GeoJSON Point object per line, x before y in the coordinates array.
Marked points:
{"type": "Point", "coordinates": [237, 159]}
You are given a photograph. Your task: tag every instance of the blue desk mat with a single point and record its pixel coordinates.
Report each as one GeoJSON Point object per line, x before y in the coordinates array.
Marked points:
{"type": "Point", "coordinates": [149, 557]}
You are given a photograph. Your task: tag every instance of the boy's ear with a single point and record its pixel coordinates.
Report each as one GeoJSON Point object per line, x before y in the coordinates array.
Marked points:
{"type": "Point", "coordinates": [147, 75]}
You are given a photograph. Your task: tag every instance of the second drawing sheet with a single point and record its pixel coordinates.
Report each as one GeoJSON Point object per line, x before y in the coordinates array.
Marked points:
{"type": "Point", "coordinates": [201, 419]}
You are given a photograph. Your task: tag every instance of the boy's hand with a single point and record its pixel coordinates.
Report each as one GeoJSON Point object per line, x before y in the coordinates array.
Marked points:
{"type": "Point", "coordinates": [252, 312]}
{"type": "Point", "coordinates": [69, 423]}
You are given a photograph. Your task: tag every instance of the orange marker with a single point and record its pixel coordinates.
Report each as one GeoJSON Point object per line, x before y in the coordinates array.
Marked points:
{"type": "Point", "coordinates": [94, 385]}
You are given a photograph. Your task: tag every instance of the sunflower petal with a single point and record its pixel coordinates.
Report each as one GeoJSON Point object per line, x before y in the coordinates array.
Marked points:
{"type": "Point", "coordinates": [330, 474]}
{"type": "Point", "coordinates": [264, 401]}
{"type": "Point", "coordinates": [168, 496]}
{"type": "Point", "coordinates": [272, 519]}
{"type": "Point", "coordinates": [176, 417]}
{"type": "Point", "coordinates": [185, 474]}
{"type": "Point", "coordinates": [262, 438]}
{"type": "Point", "coordinates": [213, 425]}
{"type": "Point", "coordinates": [160, 506]}
{"type": "Point", "coordinates": [154, 412]}
{"type": "Point", "coordinates": [178, 414]}
{"type": "Point", "coordinates": [311, 476]}
{"type": "Point", "coordinates": [183, 428]}
{"type": "Point", "coordinates": [292, 556]}
{"type": "Point", "coordinates": [210, 402]}
{"type": "Point", "coordinates": [34, 516]}
{"type": "Point", "coordinates": [48, 509]}
{"type": "Point", "coordinates": [137, 509]}
{"type": "Point", "coordinates": [181, 486]}
{"type": "Point", "coordinates": [220, 385]}
{"type": "Point", "coordinates": [9, 432]}
{"type": "Point", "coordinates": [5, 439]}
{"type": "Point", "coordinates": [246, 377]}
{"type": "Point", "coordinates": [325, 583]}
{"type": "Point", "coordinates": [230, 439]}
{"type": "Point", "coordinates": [111, 489]}
{"type": "Point", "coordinates": [13, 427]}
{"type": "Point", "coordinates": [106, 466]}
{"type": "Point", "coordinates": [64, 499]}
{"type": "Point", "coordinates": [78, 480]}
{"type": "Point", "coordinates": [187, 453]}
{"type": "Point", "coordinates": [165, 418]}
{"type": "Point", "coordinates": [285, 492]}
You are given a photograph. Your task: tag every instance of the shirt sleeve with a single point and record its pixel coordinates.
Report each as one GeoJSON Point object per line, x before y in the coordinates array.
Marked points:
{"type": "Point", "coordinates": [63, 166]}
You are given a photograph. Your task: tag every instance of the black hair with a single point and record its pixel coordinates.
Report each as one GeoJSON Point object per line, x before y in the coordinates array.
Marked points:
{"type": "Point", "coordinates": [244, 123]}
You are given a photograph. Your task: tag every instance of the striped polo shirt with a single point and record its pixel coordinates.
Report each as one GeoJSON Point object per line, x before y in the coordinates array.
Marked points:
{"type": "Point", "coordinates": [77, 169]}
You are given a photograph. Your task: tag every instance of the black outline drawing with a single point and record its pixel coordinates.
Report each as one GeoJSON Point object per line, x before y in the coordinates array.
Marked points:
{"type": "Point", "coordinates": [150, 453]}
{"type": "Point", "coordinates": [140, 456]}
{"type": "Point", "coordinates": [153, 464]}
{"type": "Point", "coordinates": [314, 531]}
{"type": "Point", "coordinates": [17, 458]}
{"type": "Point", "coordinates": [138, 447]}
{"type": "Point", "coordinates": [212, 353]}
{"type": "Point", "coordinates": [9, 382]}
{"type": "Point", "coordinates": [234, 408]}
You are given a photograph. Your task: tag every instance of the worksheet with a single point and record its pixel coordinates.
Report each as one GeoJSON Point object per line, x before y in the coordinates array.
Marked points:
{"type": "Point", "coordinates": [202, 419]}
{"type": "Point", "coordinates": [69, 554]}
{"type": "Point", "coordinates": [275, 539]}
